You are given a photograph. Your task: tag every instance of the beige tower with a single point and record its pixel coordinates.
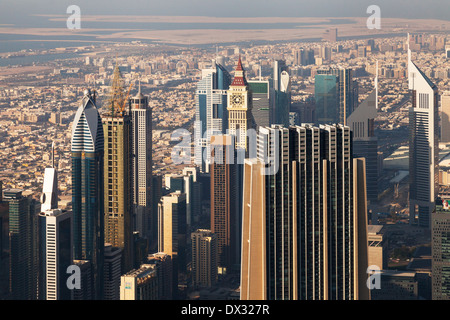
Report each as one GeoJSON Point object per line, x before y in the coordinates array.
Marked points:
{"type": "Point", "coordinates": [253, 264]}
{"type": "Point", "coordinates": [239, 107]}
{"type": "Point", "coordinates": [117, 173]}
{"type": "Point", "coordinates": [445, 117]}
{"type": "Point", "coordinates": [172, 232]}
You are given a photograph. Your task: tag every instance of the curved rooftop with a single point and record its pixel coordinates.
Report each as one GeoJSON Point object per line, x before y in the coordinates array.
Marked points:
{"type": "Point", "coordinates": [87, 129]}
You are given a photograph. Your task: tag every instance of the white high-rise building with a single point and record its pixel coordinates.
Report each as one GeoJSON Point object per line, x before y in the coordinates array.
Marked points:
{"type": "Point", "coordinates": [423, 145]}
{"type": "Point", "coordinates": [142, 162]}
{"type": "Point", "coordinates": [56, 230]}
{"type": "Point", "coordinates": [49, 196]}
{"type": "Point", "coordinates": [55, 245]}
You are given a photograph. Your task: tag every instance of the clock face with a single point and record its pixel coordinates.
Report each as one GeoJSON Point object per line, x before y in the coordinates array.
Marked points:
{"type": "Point", "coordinates": [236, 99]}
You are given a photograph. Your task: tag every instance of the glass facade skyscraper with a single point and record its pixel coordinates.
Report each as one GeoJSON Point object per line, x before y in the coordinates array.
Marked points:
{"type": "Point", "coordinates": [211, 114]}
{"type": "Point", "coordinates": [281, 93]}
{"type": "Point", "coordinates": [87, 188]}
{"type": "Point", "coordinates": [305, 221]}
{"type": "Point", "coordinates": [23, 249]}
{"type": "Point", "coordinates": [347, 92]}
{"type": "Point", "coordinates": [327, 98]}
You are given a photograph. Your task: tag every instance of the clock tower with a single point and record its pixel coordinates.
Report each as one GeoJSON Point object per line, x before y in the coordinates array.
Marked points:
{"type": "Point", "coordinates": [239, 107]}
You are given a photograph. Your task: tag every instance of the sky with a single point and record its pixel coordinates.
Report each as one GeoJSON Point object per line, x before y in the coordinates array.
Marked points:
{"type": "Point", "coordinates": [14, 11]}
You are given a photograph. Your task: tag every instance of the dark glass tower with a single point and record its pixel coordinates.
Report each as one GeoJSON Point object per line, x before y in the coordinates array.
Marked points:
{"type": "Point", "coordinates": [22, 240]}
{"type": "Point", "coordinates": [304, 216]}
{"type": "Point", "coordinates": [326, 93]}
{"type": "Point", "coordinates": [281, 93]}
{"type": "Point", "coordinates": [87, 188]}
{"type": "Point", "coordinates": [347, 92]}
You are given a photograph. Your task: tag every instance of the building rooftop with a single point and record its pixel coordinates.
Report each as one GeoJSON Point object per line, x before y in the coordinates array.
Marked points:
{"type": "Point", "coordinates": [374, 228]}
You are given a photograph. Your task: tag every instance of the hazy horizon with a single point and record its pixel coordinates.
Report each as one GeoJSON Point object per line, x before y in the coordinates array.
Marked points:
{"type": "Point", "coordinates": [15, 12]}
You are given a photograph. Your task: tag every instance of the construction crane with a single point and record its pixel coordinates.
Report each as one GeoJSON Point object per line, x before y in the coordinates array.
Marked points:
{"type": "Point", "coordinates": [126, 98]}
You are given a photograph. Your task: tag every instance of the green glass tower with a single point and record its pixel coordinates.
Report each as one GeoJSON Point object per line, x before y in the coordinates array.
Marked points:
{"type": "Point", "coordinates": [327, 98]}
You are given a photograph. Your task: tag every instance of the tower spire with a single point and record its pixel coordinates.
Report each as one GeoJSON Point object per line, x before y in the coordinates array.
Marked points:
{"type": "Point", "coordinates": [376, 86]}
{"type": "Point", "coordinates": [409, 49]}
{"type": "Point", "coordinates": [239, 75]}
{"type": "Point", "coordinates": [117, 90]}
{"type": "Point", "coordinates": [53, 154]}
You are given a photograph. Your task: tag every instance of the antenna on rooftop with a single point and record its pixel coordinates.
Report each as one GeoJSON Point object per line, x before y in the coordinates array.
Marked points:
{"type": "Point", "coordinates": [53, 154]}
{"type": "Point", "coordinates": [376, 87]}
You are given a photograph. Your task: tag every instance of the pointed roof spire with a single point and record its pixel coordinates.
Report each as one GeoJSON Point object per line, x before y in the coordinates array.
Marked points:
{"type": "Point", "coordinates": [239, 75]}
{"type": "Point", "coordinates": [139, 94]}
{"type": "Point", "coordinates": [239, 65]}
{"type": "Point", "coordinates": [409, 49]}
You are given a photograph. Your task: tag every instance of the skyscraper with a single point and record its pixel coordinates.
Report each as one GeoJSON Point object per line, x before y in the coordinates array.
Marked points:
{"type": "Point", "coordinates": [347, 92]}
{"type": "Point", "coordinates": [211, 114]}
{"type": "Point", "coordinates": [261, 106]}
{"type": "Point", "coordinates": [118, 194]}
{"type": "Point", "coordinates": [303, 57]}
{"type": "Point", "coordinates": [192, 188]}
{"type": "Point", "coordinates": [172, 232]}
{"type": "Point", "coordinates": [112, 272]}
{"type": "Point", "coordinates": [22, 240]}
{"type": "Point", "coordinates": [326, 93]}
{"type": "Point", "coordinates": [55, 241]}
{"type": "Point", "coordinates": [365, 143]}
{"type": "Point", "coordinates": [141, 116]}
{"type": "Point", "coordinates": [423, 145]}
{"type": "Point", "coordinates": [87, 188]}
{"type": "Point", "coordinates": [445, 117]}
{"type": "Point", "coordinates": [440, 250]}
{"type": "Point", "coordinates": [55, 254]}
{"type": "Point", "coordinates": [281, 93]}
{"type": "Point", "coordinates": [304, 219]}
{"type": "Point", "coordinates": [49, 197]}
{"type": "Point", "coordinates": [225, 201]}
{"type": "Point", "coordinates": [204, 258]}
{"type": "Point", "coordinates": [239, 108]}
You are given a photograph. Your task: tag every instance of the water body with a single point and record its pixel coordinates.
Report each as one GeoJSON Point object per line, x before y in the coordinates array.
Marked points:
{"type": "Point", "coordinates": [16, 42]}
{"type": "Point", "coordinates": [29, 60]}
